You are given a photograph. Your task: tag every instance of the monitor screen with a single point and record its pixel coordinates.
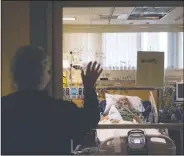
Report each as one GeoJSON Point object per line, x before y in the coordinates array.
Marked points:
{"type": "Point", "coordinates": [137, 141]}
{"type": "Point", "coordinates": [74, 91]}
{"type": "Point", "coordinates": [180, 90]}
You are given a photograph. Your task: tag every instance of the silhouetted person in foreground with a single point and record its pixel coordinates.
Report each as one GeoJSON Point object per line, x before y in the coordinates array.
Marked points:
{"type": "Point", "coordinates": [34, 123]}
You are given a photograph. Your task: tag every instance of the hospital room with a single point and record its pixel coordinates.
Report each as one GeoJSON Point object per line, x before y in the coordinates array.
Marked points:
{"type": "Point", "coordinates": [139, 46]}
{"type": "Point", "coordinates": [140, 90]}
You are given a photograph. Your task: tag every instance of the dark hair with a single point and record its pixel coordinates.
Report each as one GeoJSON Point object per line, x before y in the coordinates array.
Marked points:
{"type": "Point", "coordinates": [28, 66]}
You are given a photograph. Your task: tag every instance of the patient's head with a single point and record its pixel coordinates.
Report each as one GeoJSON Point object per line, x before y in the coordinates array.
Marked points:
{"type": "Point", "coordinates": [30, 68]}
{"type": "Point", "coordinates": [123, 103]}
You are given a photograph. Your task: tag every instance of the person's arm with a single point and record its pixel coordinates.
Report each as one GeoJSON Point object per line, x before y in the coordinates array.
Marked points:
{"type": "Point", "coordinates": [91, 107]}
{"type": "Point", "coordinates": [81, 121]}
{"type": "Point", "coordinates": [87, 118]}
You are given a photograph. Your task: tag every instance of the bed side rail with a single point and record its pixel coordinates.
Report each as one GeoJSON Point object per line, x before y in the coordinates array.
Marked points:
{"type": "Point", "coordinates": [146, 126]}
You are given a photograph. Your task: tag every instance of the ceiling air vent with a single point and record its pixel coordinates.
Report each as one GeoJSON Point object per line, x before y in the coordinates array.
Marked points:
{"type": "Point", "coordinates": [149, 13]}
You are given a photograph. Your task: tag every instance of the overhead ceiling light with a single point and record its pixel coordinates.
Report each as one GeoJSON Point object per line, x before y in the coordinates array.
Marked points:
{"type": "Point", "coordinates": [152, 17]}
{"type": "Point", "coordinates": [69, 19]}
{"type": "Point", "coordinates": [152, 13]}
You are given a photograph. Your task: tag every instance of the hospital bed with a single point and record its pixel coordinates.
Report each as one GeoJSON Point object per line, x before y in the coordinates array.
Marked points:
{"type": "Point", "coordinates": [157, 144]}
{"type": "Point", "coordinates": [115, 141]}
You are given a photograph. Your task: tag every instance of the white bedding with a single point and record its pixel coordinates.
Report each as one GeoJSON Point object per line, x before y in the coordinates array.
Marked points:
{"type": "Point", "coordinates": [104, 134]}
{"type": "Point", "coordinates": [111, 99]}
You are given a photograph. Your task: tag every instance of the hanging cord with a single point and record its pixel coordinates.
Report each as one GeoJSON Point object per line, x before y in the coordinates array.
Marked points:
{"type": "Point", "coordinates": [70, 76]}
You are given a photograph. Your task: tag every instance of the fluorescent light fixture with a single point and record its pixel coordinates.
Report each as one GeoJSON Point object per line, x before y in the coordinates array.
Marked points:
{"type": "Point", "coordinates": [69, 18]}
{"type": "Point", "coordinates": [152, 17]}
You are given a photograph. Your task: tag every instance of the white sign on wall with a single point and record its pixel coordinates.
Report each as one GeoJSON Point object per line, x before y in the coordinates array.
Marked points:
{"type": "Point", "coordinates": [150, 69]}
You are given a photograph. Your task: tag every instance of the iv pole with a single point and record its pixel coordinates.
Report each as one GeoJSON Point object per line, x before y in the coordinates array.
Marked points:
{"type": "Point", "coordinates": [70, 77]}
{"type": "Point", "coordinates": [70, 96]}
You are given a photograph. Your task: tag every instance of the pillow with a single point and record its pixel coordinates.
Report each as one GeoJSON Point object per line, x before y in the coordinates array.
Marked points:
{"type": "Point", "coordinates": [136, 103]}
{"type": "Point", "coordinates": [111, 99]}
{"type": "Point", "coordinates": [114, 114]}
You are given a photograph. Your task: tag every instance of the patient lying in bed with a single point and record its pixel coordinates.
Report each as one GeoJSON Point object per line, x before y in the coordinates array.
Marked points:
{"type": "Point", "coordinates": [123, 110]}
{"type": "Point", "coordinates": [115, 117]}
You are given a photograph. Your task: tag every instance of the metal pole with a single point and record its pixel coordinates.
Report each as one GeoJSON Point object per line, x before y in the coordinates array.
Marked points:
{"type": "Point", "coordinates": [158, 103]}
{"type": "Point", "coordinates": [181, 137]}
{"type": "Point", "coordinates": [57, 50]}
{"type": "Point", "coordinates": [144, 126]}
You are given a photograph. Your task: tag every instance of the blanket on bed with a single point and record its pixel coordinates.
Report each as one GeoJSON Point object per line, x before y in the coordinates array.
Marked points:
{"type": "Point", "coordinates": [127, 111]}
{"type": "Point", "coordinates": [115, 115]}
{"type": "Point", "coordinates": [127, 116]}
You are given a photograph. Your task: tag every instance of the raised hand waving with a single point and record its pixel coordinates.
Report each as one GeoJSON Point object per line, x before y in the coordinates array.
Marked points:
{"type": "Point", "coordinates": [92, 73]}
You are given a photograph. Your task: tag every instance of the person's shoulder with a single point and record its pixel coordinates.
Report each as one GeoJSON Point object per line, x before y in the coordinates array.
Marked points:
{"type": "Point", "coordinates": [65, 104]}
{"type": "Point", "coordinates": [7, 100]}
{"type": "Point", "coordinates": [8, 97]}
